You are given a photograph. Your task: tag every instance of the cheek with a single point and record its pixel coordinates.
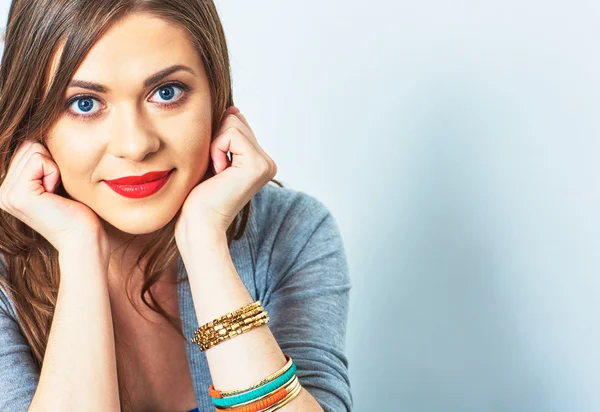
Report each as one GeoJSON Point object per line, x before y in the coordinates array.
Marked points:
{"type": "Point", "coordinates": [190, 139]}
{"type": "Point", "coordinates": [194, 159]}
{"type": "Point", "coordinates": [75, 154]}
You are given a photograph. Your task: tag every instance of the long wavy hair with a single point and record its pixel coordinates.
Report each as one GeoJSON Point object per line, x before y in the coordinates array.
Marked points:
{"type": "Point", "coordinates": [28, 109]}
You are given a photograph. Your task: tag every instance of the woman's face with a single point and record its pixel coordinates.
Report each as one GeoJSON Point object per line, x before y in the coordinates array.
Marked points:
{"type": "Point", "coordinates": [139, 102]}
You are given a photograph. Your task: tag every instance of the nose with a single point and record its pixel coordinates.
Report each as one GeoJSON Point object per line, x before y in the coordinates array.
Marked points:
{"type": "Point", "coordinates": [132, 136]}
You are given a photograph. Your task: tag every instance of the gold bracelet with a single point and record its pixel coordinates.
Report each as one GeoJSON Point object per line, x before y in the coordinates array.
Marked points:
{"type": "Point", "coordinates": [220, 328]}
{"type": "Point", "coordinates": [243, 329]}
{"type": "Point", "coordinates": [266, 380]}
{"type": "Point", "coordinates": [226, 329]}
{"type": "Point", "coordinates": [235, 314]}
{"type": "Point", "coordinates": [242, 313]}
{"type": "Point", "coordinates": [230, 325]}
{"type": "Point", "coordinates": [289, 386]}
{"type": "Point", "coordinates": [293, 394]}
{"type": "Point", "coordinates": [207, 342]}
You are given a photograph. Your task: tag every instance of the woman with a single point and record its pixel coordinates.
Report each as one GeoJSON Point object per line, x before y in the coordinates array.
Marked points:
{"type": "Point", "coordinates": [144, 269]}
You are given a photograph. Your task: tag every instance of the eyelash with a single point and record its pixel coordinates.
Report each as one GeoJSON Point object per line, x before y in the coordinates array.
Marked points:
{"type": "Point", "coordinates": [182, 98]}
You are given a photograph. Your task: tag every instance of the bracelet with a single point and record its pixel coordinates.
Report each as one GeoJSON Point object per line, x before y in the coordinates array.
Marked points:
{"type": "Point", "coordinates": [222, 394]}
{"type": "Point", "coordinates": [293, 394]}
{"type": "Point", "coordinates": [229, 330]}
{"type": "Point", "coordinates": [257, 393]}
{"type": "Point", "coordinates": [230, 325]}
{"type": "Point", "coordinates": [258, 404]}
{"type": "Point", "coordinates": [219, 323]}
{"type": "Point", "coordinates": [272, 403]}
{"type": "Point", "coordinates": [269, 394]}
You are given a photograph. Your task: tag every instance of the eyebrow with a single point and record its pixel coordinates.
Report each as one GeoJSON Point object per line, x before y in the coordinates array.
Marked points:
{"type": "Point", "coordinates": [151, 80]}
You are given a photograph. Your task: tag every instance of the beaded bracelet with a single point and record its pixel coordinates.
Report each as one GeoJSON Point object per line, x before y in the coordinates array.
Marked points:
{"type": "Point", "coordinates": [269, 394]}
{"type": "Point", "coordinates": [216, 326]}
{"type": "Point", "coordinates": [230, 325]}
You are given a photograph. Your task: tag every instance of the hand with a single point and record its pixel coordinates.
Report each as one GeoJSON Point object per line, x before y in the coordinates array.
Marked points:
{"type": "Point", "coordinates": [214, 203]}
{"type": "Point", "coordinates": [27, 193]}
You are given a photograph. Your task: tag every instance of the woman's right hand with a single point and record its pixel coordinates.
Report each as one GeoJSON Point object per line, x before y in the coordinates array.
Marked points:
{"type": "Point", "coordinates": [27, 194]}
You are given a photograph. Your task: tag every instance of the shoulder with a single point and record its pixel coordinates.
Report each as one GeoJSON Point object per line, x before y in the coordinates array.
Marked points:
{"type": "Point", "coordinates": [272, 198]}
{"type": "Point", "coordinates": [292, 230]}
{"type": "Point", "coordinates": [280, 211]}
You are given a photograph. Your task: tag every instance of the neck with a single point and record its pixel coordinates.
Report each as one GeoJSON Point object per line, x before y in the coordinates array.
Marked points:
{"type": "Point", "coordinates": [125, 249]}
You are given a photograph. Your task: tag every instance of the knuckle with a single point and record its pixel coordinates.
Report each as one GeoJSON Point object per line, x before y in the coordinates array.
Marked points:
{"type": "Point", "coordinates": [224, 134]}
{"type": "Point", "coordinates": [231, 119]}
{"type": "Point", "coordinates": [25, 145]}
{"type": "Point", "coordinates": [24, 148]}
{"type": "Point", "coordinates": [36, 149]}
{"type": "Point", "coordinates": [37, 155]}
{"type": "Point", "coordinates": [35, 158]}
{"type": "Point", "coordinates": [233, 131]}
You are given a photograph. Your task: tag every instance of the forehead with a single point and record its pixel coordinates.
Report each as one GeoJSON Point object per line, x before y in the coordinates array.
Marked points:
{"type": "Point", "coordinates": [138, 45]}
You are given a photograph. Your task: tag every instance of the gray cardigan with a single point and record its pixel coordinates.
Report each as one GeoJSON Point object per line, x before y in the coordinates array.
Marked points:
{"type": "Point", "coordinates": [292, 259]}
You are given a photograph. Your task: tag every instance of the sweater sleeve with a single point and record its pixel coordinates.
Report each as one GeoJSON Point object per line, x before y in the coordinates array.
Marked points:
{"type": "Point", "coordinates": [18, 373]}
{"type": "Point", "coordinates": [308, 288]}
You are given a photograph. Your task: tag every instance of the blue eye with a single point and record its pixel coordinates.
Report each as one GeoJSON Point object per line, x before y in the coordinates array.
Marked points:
{"type": "Point", "coordinates": [172, 95]}
{"type": "Point", "coordinates": [84, 104]}
{"type": "Point", "coordinates": [168, 92]}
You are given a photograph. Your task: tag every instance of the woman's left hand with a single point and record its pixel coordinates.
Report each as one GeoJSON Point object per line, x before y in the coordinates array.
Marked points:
{"type": "Point", "coordinates": [213, 204]}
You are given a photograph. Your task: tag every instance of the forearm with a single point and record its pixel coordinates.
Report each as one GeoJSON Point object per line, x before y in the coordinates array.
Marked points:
{"type": "Point", "coordinates": [79, 367]}
{"type": "Point", "coordinates": [217, 289]}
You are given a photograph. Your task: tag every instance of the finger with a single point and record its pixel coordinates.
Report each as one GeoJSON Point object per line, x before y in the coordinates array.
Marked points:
{"type": "Point", "coordinates": [42, 168]}
{"type": "Point", "coordinates": [226, 113]}
{"type": "Point", "coordinates": [234, 121]}
{"type": "Point", "coordinates": [50, 174]}
{"type": "Point", "coordinates": [33, 148]}
{"type": "Point", "coordinates": [18, 192]}
{"type": "Point", "coordinates": [240, 116]}
{"type": "Point", "coordinates": [218, 153]}
{"type": "Point", "coordinates": [236, 112]}
{"type": "Point", "coordinates": [251, 136]}
{"type": "Point", "coordinates": [234, 141]}
{"type": "Point", "coordinates": [17, 160]}
{"type": "Point", "coordinates": [38, 176]}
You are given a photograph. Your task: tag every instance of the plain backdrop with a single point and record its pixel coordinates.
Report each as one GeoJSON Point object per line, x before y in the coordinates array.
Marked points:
{"type": "Point", "coordinates": [456, 144]}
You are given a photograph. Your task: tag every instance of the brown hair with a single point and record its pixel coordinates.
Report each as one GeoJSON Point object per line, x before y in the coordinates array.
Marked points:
{"type": "Point", "coordinates": [34, 32]}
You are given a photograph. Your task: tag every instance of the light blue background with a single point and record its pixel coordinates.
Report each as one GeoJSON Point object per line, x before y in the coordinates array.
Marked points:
{"type": "Point", "coordinates": [456, 143]}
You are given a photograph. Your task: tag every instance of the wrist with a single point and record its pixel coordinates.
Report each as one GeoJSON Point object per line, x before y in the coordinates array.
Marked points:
{"type": "Point", "coordinates": [82, 269]}
{"type": "Point", "coordinates": [206, 253]}
{"type": "Point", "coordinates": [90, 248]}
{"type": "Point", "coordinates": [91, 241]}
{"type": "Point", "coordinates": [200, 239]}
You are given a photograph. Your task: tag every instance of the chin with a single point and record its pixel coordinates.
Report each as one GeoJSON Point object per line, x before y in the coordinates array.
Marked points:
{"type": "Point", "coordinates": [140, 222]}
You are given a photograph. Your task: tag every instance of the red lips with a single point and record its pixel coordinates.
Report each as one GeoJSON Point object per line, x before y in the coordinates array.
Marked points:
{"type": "Point", "coordinates": [137, 187]}
{"type": "Point", "coordinates": [137, 180]}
